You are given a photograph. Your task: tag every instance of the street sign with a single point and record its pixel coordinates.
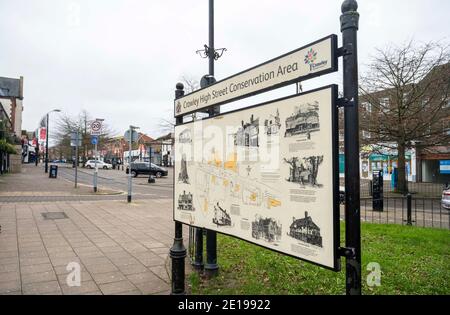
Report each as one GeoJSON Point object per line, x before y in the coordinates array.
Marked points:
{"type": "Point", "coordinates": [96, 127]}
{"type": "Point", "coordinates": [134, 136]}
{"type": "Point", "coordinates": [94, 140]}
{"type": "Point", "coordinates": [74, 140]}
{"type": "Point", "coordinates": [267, 174]}
{"type": "Point", "coordinates": [301, 64]}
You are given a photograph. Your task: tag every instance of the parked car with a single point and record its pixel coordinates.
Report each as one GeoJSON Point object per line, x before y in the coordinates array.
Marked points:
{"type": "Point", "coordinates": [100, 164]}
{"type": "Point", "coordinates": [445, 201]}
{"type": "Point", "coordinates": [144, 168]}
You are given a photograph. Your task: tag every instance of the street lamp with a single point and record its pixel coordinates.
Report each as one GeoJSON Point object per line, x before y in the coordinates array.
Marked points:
{"type": "Point", "coordinates": [46, 138]}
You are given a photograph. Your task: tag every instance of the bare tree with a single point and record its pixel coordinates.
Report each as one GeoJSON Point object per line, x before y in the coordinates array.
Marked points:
{"type": "Point", "coordinates": [67, 124]}
{"type": "Point", "coordinates": [404, 100]}
{"type": "Point", "coordinates": [190, 85]}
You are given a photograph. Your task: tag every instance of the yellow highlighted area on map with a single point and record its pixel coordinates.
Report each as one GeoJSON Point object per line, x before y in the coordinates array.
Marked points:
{"type": "Point", "coordinates": [272, 202]}
{"type": "Point", "coordinates": [231, 163]}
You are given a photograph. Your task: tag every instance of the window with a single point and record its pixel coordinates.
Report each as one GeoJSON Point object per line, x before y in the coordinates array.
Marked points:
{"type": "Point", "coordinates": [366, 134]}
{"type": "Point", "coordinates": [384, 102]}
{"type": "Point", "coordinates": [367, 106]}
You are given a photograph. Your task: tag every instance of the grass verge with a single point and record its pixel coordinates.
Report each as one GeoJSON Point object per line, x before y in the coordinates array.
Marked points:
{"type": "Point", "coordinates": [413, 260]}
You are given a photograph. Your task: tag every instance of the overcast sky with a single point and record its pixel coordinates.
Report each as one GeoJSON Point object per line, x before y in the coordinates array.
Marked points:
{"type": "Point", "coordinates": [120, 59]}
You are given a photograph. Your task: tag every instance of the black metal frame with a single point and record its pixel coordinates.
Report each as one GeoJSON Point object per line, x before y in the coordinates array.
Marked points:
{"type": "Point", "coordinates": [335, 170]}
{"type": "Point", "coordinates": [333, 68]}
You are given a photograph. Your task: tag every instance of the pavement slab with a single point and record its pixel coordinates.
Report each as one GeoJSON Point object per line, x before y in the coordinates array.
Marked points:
{"type": "Point", "coordinates": [120, 247]}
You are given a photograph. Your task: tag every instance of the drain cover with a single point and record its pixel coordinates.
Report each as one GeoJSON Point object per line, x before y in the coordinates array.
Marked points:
{"type": "Point", "coordinates": [54, 215]}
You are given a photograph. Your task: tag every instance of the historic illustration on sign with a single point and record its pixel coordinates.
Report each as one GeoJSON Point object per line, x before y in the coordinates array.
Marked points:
{"type": "Point", "coordinates": [221, 216]}
{"type": "Point", "coordinates": [248, 133]}
{"type": "Point", "coordinates": [185, 136]}
{"type": "Point", "coordinates": [183, 175]}
{"type": "Point", "coordinates": [267, 229]}
{"type": "Point", "coordinates": [303, 121]}
{"type": "Point", "coordinates": [273, 124]}
{"type": "Point", "coordinates": [304, 171]}
{"type": "Point", "coordinates": [186, 202]}
{"type": "Point", "coordinates": [305, 230]}
{"type": "Point", "coordinates": [242, 176]}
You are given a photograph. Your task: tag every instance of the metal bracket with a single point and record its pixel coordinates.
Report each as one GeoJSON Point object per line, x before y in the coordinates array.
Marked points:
{"type": "Point", "coordinates": [347, 252]}
{"type": "Point", "coordinates": [345, 102]}
{"type": "Point", "coordinates": [345, 50]}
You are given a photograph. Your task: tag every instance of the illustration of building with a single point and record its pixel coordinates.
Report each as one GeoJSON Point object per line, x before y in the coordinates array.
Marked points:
{"type": "Point", "coordinates": [267, 229]}
{"type": "Point", "coordinates": [306, 230]}
{"type": "Point", "coordinates": [304, 120]}
{"type": "Point", "coordinates": [221, 217]}
{"type": "Point", "coordinates": [304, 172]}
{"type": "Point", "coordinates": [248, 133]}
{"type": "Point", "coordinates": [185, 136]}
{"type": "Point", "coordinates": [272, 126]}
{"type": "Point", "coordinates": [183, 175]}
{"type": "Point", "coordinates": [186, 202]}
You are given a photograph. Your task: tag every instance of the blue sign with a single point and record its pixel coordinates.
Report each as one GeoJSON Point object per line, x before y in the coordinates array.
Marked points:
{"type": "Point", "coordinates": [94, 140]}
{"type": "Point", "coordinates": [444, 166]}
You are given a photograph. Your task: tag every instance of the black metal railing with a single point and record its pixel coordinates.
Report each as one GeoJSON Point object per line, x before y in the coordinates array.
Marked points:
{"type": "Point", "coordinates": [419, 211]}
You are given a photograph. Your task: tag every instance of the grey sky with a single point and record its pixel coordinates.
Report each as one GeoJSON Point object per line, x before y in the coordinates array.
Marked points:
{"type": "Point", "coordinates": [120, 60]}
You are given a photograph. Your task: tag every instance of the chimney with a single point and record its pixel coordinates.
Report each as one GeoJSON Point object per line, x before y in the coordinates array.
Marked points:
{"type": "Point", "coordinates": [306, 214]}
{"type": "Point", "coordinates": [21, 88]}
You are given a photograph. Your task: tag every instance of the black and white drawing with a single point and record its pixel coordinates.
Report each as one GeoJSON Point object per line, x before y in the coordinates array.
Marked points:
{"type": "Point", "coordinates": [185, 136]}
{"type": "Point", "coordinates": [305, 230]}
{"type": "Point", "coordinates": [221, 216]}
{"type": "Point", "coordinates": [267, 229]}
{"type": "Point", "coordinates": [248, 133]}
{"type": "Point", "coordinates": [273, 124]}
{"type": "Point", "coordinates": [303, 121]}
{"type": "Point", "coordinates": [183, 175]}
{"type": "Point", "coordinates": [186, 202]}
{"type": "Point", "coordinates": [304, 170]}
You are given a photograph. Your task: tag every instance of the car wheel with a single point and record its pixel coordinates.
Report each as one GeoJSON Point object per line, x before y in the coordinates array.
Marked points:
{"type": "Point", "coordinates": [134, 173]}
{"type": "Point", "coordinates": [89, 166]}
{"type": "Point", "coordinates": [158, 174]}
{"type": "Point", "coordinates": [105, 167]}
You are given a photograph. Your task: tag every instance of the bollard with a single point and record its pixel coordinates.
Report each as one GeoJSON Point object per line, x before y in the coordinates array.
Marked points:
{"type": "Point", "coordinates": [198, 256]}
{"type": "Point", "coordinates": [408, 209]}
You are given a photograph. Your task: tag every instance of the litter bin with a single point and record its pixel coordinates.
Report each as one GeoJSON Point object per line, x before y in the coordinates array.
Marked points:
{"type": "Point", "coordinates": [53, 171]}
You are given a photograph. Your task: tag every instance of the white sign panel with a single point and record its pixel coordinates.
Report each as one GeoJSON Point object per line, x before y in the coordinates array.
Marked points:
{"type": "Point", "coordinates": [96, 128]}
{"type": "Point", "coordinates": [306, 62]}
{"type": "Point", "coordinates": [267, 174]}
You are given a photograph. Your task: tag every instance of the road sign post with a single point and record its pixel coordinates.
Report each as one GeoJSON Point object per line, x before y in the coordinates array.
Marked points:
{"type": "Point", "coordinates": [132, 136]}
{"type": "Point", "coordinates": [75, 141]}
{"type": "Point", "coordinates": [96, 131]}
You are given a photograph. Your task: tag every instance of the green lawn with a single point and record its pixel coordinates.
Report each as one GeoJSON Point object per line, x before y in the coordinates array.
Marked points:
{"type": "Point", "coordinates": [413, 261]}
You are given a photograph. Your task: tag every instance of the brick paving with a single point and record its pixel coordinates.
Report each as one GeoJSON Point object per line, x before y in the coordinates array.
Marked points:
{"type": "Point", "coordinates": [121, 248]}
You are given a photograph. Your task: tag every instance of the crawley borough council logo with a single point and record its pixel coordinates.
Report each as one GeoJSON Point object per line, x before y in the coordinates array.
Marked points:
{"type": "Point", "coordinates": [310, 57]}
{"type": "Point", "coordinates": [178, 109]}
{"type": "Point", "coordinates": [311, 60]}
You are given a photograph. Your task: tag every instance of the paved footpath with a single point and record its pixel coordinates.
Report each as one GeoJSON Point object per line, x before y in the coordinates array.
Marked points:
{"type": "Point", "coordinates": [121, 248]}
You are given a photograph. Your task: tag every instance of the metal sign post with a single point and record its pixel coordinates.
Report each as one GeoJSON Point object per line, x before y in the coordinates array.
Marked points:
{"type": "Point", "coordinates": [75, 142]}
{"type": "Point", "coordinates": [96, 130]}
{"type": "Point", "coordinates": [178, 251]}
{"type": "Point", "coordinates": [349, 29]}
{"type": "Point", "coordinates": [131, 136]}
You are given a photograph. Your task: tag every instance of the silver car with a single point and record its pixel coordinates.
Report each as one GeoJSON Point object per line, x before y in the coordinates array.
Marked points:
{"type": "Point", "coordinates": [445, 201]}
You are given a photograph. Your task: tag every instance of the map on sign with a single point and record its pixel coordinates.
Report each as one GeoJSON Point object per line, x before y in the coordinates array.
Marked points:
{"type": "Point", "coordinates": [267, 174]}
{"type": "Point", "coordinates": [96, 128]}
